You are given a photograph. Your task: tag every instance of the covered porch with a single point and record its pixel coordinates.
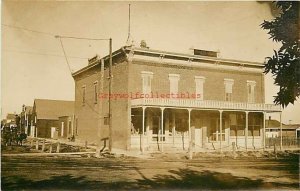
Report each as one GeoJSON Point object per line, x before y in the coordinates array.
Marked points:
{"type": "Point", "coordinates": [169, 128]}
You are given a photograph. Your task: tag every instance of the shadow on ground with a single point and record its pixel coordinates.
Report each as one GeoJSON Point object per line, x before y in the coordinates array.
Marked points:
{"type": "Point", "coordinates": [179, 179]}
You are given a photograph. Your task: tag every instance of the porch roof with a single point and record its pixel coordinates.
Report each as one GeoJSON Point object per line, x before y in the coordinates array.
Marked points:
{"type": "Point", "coordinates": [205, 104]}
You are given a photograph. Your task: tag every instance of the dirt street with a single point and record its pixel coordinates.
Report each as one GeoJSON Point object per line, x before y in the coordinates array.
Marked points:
{"type": "Point", "coordinates": [158, 172]}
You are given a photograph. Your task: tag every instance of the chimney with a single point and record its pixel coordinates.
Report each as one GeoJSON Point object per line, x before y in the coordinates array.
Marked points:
{"type": "Point", "coordinates": [209, 53]}
{"type": "Point", "coordinates": [94, 59]}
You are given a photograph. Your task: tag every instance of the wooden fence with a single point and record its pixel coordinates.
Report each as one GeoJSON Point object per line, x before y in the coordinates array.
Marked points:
{"type": "Point", "coordinates": [286, 142]}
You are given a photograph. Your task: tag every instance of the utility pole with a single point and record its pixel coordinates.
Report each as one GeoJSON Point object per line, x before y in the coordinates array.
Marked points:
{"type": "Point", "coordinates": [109, 97]}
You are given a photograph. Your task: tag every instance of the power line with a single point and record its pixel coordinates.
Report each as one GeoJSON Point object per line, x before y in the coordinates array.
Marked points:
{"type": "Point", "coordinates": [52, 34]}
{"type": "Point", "coordinates": [62, 46]}
{"type": "Point", "coordinates": [76, 86]}
{"type": "Point", "coordinates": [42, 54]}
{"type": "Point", "coordinates": [65, 55]}
{"type": "Point", "coordinates": [80, 38]}
{"type": "Point", "coordinates": [30, 30]}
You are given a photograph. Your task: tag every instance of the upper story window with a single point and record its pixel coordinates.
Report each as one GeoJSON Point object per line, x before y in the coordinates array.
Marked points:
{"type": "Point", "coordinates": [228, 89]}
{"type": "Point", "coordinates": [174, 78]}
{"type": "Point", "coordinates": [250, 91]}
{"type": "Point", "coordinates": [199, 80]}
{"type": "Point", "coordinates": [96, 92]}
{"type": "Point", "coordinates": [147, 78]}
{"type": "Point", "coordinates": [83, 94]}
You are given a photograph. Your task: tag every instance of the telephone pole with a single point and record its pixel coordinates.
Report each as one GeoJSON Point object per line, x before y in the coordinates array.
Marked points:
{"type": "Point", "coordinates": [109, 97]}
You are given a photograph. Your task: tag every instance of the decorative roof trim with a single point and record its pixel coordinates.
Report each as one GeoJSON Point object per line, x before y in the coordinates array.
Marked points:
{"type": "Point", "coordinates": [189, 59]}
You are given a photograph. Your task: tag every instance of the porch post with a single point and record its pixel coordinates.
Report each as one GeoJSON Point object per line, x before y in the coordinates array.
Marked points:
{"type": "Point", "coordinates": [162, 128]}
{"type": "Point", "coordinates": [173, 128]}
{"type": "Point", "coordinates": [221, 124]}
{"type": "Point", "coordinates": [190, 137]}
{"type": "Point", "coordinates": [143, 129]}
{"type": "Point", "coordinates": [280, 130]}
{"type": "Point", "coordinates": [246, 131]}
{"type": "Point", "coordinates": [264, 130]}
{"type": "Point", "coordinates": [147, 128]}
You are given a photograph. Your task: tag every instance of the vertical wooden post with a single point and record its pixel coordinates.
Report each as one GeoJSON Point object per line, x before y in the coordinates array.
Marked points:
{"type": "Point", "coordinates": [143, 130]}
{"type": "Point", "coordinates": [275, 149]}
{"type": "Point", "coordinates": [246, 131]}
{"type": "Point", "coordinates": [58, 147]}
{"type": "Point", "coordinates": [50, 148]}
{"type": "Point", "coordinates": [37, 144]}
{"type": "Point", "coordinates": [190, 136]}
{"type": "Point", "coordinates": [173, 128]}
{"type": "Point", "coordinates": [31, 143]}
{"type": "Point", "coordinates": [233, 150]}
{"type": "Point", "coordinates": [221, 128]}
{"type": "Point", "coordinates": [100, 106]}
{"type": "Point", "coordinates": [264, 130]}
{"type": "Point", "coordinates": [162, 129]}
{"type": "Point", "coordinates": [43, 145]}
{"type": "Point", "coordinates": [280, 130]}
{"type": "Point", "coordinates": [148, 129]}
{"type": "Point", "coordinates": [85, 144]}
{"type": "Point", "coordinates": [109, 97]}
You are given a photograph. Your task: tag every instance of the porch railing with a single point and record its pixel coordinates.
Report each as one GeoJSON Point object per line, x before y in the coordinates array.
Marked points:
{"type": "Point", "coordinates": [206, 104]}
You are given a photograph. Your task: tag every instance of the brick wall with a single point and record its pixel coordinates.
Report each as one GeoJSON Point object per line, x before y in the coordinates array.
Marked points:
{"type": "Point", "coordinates": [90, 119]}
{"type": "Point", "coordinates": [87, 116]}
{"type": "Point", "coordinates": [89, 122]}
{"type": "Point", "coordinates": [214, 88]}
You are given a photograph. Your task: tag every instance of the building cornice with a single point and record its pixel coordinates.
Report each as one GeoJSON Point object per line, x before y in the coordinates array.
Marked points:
{"type": "Point", "coordinates": [97, 62]}
{"type": "Point", "coordinates": [132, 53]}
{"type": "Point", "coordinates": [190, 57]}
{"type": "Point", "coordinates": [180, 63]}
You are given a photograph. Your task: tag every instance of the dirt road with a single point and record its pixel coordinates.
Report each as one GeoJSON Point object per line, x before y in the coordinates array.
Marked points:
{"type": "Point", "coordinates": [160, 172]}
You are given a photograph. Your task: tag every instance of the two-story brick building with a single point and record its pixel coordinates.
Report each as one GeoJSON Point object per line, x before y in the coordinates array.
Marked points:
{"type": "Point", "coordinates": [165, 100]}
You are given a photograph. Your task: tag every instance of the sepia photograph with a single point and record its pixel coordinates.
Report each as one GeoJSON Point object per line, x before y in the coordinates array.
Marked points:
{"type": "Point", "coordinates": [150, 95]}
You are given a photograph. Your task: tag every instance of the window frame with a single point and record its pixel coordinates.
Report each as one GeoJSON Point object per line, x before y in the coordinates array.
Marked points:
{"type": "Point", "coordinates": [251, 87]}
{"type": "Point", "coordinates": [96, 91]}
{"type": "Point", "coordinates": [146, 81]}
{"type": "Point", "coordinates": [228, 95]}
{"type": "Point", "coordinates": [174, 83]}
{"type": "Point", "coordinates": [199, 87]}
{"type": "Point", "coordinates": [83, 100]}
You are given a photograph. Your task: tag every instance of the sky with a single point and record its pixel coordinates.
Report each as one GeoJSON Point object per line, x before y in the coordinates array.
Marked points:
{"type": "Point", "coordinates": [33, 65]}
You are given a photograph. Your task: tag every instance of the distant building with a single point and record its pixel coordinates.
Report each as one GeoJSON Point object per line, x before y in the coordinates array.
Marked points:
{"type": "Point", "coordinates": [166, 100]}
{"type": "Point", "coordinates": [25, 119]}
{"type": "Point", "coordinates": [66, 126]}
{"type": "Point", "coordinates": [45, 116]}
{"type": "Point", "coordinates": [288, 130]}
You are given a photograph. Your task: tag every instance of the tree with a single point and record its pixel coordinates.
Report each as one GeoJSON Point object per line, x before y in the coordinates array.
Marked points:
{"type": "Point", "coordinates": [284, 65]}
